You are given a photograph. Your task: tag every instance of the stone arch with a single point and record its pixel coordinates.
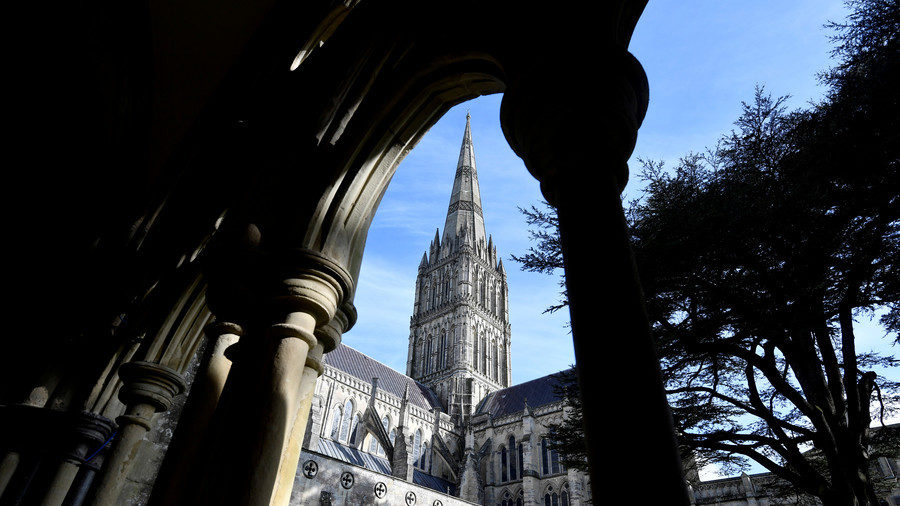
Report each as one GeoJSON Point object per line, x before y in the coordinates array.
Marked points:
{"type": "Point", "coordinates": [346, 123]}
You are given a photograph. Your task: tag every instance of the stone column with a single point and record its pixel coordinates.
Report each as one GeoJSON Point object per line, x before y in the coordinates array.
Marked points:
{"type": "Point", "coordinates": [401, 460]}
{"type": "Point", "coordinates": [530, 476]}
{"type": "Point", "coordinates": [574, 487]}
{"type": "Point", "coordinates": [272, 378]}
{"type": "Point", "coordinates": [181, 457]}
{"type": "Point", "coordinates": [37, 396]}
{"type": "Point", "coordinates": [575, 134]}
{"type": "Point", "coordinates": [749, 492]}
{"type": "Point", "coordinates": [88, 433]}
{"type": "Point", "coordinates": [328, 337]}
{"type": "Point", "coordinates": [147, 388]}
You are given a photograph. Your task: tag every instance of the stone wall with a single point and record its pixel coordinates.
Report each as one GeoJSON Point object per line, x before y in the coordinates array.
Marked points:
{"type": "Point", "coordinates": [332, 482]}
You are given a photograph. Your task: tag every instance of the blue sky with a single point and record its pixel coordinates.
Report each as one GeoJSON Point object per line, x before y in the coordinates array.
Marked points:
{"type": "Point", "coordinates": [702, 58]}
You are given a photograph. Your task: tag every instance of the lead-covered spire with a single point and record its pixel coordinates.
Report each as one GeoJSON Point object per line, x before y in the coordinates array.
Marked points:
{"type": "Point", "coordinates": [465, 199]}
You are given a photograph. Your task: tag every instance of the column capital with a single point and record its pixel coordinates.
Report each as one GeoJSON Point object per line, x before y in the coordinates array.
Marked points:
{"type": "Point", "coordinates": [220, 327]}
{"type": "Point", "coordinates": [87, 430]}
{"type": "Point", "coordinates": [150, 383]}
{"type": "Point", "coordinates": [311, 282]}
{"type": "Point", "coordinates": [330, 334]}
{"type": "Point", "coordinates": [566, 123]}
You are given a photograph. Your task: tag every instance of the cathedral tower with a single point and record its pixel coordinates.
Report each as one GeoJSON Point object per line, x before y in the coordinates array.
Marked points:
{"type": "Point", "coordinates": [459, 333]}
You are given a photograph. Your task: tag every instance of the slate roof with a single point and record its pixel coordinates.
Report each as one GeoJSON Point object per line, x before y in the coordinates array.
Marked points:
{"type": "Point", "coordinates": [539, 392]}
{"type": "Point", "coordinates": [354, 363]}
{"type": "Point", "coordinates": [378, 464]}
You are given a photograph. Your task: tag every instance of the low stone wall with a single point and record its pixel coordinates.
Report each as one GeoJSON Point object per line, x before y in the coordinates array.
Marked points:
{"type": "Point", "coordinates": [323, 481]}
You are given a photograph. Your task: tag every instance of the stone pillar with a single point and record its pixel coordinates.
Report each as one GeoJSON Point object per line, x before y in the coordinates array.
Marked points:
{"type": "Point", "coordinates": [88, 433]}
{"type": "Point", "coordinates": [147, 388]}
{"type": "Point", "coordinates": [749, 491]}
{"type": "Point", "coordinates": [267, 393]}
{"type": "Point", "coordinates": [575, 134]}
{"type": "Point", "coordinates": [471, 486]}
{"type": "Point", "coordinates": [182, 455]}
{"type": "Point", "coordinates": [37, 396]}
{"type": "Point", "coordinates": [574, 487]}
{"type": "Point", "coordinates": [530, 477]}
{"type": "Point", "coordinates": [328, 337]}
{"type": "Point", "coordinates": [7, 468]}
{"type": "Point", "coordinates": [401, 461]}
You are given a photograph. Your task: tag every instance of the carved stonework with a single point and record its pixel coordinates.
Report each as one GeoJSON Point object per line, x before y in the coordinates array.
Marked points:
{"type": "Point", "coordinates": [149, 383]}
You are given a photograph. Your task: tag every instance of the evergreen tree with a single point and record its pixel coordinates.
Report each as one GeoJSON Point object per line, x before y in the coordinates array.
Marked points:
{"type": "Point", "coordinates": [755, 258]}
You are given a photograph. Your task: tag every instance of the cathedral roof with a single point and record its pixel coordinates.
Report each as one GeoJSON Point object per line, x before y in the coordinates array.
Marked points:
{"type": "Point", "coordinates": [354, 363]}
{"type": "Point", "coordinates": [378, 464]}
{"type": "Point", "coordinates": [538, 392]}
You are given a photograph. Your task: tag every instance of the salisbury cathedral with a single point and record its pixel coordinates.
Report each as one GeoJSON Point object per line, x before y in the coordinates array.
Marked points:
{"type": "Point", "coordinates": [452, 430]}
{"type": "Point", "coordinates": [197, 184]}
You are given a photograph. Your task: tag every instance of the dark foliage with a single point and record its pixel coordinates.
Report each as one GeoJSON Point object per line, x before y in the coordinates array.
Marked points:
{"type": "Point", "coordinates": [546, 256]}
{"type": "Point", "coordinates": [756, 259]}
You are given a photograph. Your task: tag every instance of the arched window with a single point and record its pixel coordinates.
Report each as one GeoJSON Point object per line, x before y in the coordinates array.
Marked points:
{"type": "Point", "coordinates": [513, 460]}
{"type": "Point", "coordinates": [549, 459]}
{"type": "Point", "coordinates": [496, 362]}
{"type": "Point", "coordinates": [554, 462]}
{"type": "Point", "coordinates": [550, 497]}
{"type": "Point", "coordinates": [443, 351]}
{"type": "Point", "coordinates": [564, 495]}
{"type": "Point", "coordinates": [545, 457]}
{"type": "Point", "coordinates": [521, 460]}
{"type": "Point", "coordinates": [484, 354]}
{"type": "Point", "coordinates": [335, 422]}
{"type": "Point", "coordinates": [417, 445]}
{"type": "Point", "coordinates": [354, 430]}
{"type": "Point", "coordinates": [423, 460]}
{"type": "Point", "coordinates": [520, 499]}
{"type": "Point", "coordinates": [345, 423]}
{"type": "Point", "coordinates": [428, 355]}
{"type": "Point", "coordinates": [503, 464]}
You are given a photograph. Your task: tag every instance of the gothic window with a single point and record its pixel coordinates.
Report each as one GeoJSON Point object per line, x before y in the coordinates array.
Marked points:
{"type": "Point", "coordinates": [443, 352]}
{"type": "Point", "coordinates": [519, 453]}
{"type": "Point", "coordinates": [549, 459]}
{"type": "Point", "coordinates": [427, 367]}
{"type": "Point", "coordinates": [496, 362]}
{"type": "Point", "coordinates": [554, 462]}
{"type": "Point", "coordinates": [483, 355]}
{"type": "Point", "coordinates": [503, 474]}
{"type": "Point", "coordinates": [335, 422]}
{"type": "Point", "coordinates": [417, 445]}
{"type": "Point", "coordinates": [345, 423]}
{"type": "Point", "coordinates": [493, 300]}
{"type": "Point", "coordinates": [354, 430]}
{"type": "Point", "coordinates": [564, 495]}
{"type": "Point", "coordinates": [520, 500]}
{"type": "Point", "coordinates": [423, 460]}
{"type": "Point", "coordinates": [545, 457]}
{"type": "Point", "coordinates": [513, 460]}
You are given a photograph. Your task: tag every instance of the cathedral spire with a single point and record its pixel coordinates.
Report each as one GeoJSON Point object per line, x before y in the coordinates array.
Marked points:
{"type": "Point", "coordinates": [465, 199]}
